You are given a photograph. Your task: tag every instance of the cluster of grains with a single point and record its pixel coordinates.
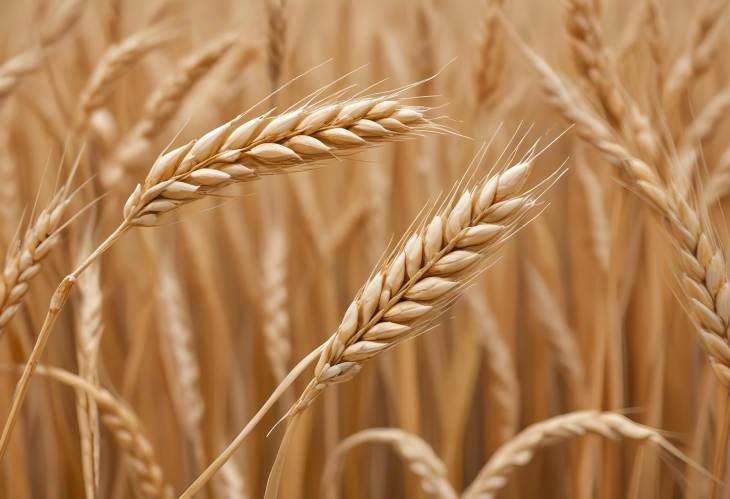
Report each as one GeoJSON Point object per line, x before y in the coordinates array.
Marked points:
{"type": "Point", "coordinates": [24, 260]}
{"type": "Point", "coordinates": [244, 149]}
{"type": "Point", "coordinates": [423, 275]}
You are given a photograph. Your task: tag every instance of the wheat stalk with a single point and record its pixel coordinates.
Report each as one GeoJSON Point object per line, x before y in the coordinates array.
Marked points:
{"type": "Point", "coordinates": [89, 331]}
{"type": "Point", "coordinates": [519, 451]}
{"type": "Point", "coordinates": [504, 382]}
{"type": "Point", "coordinates": [419, 456]}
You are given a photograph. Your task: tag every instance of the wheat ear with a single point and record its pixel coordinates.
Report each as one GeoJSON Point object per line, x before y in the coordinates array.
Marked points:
{"type": "Point", "coordinates": [703, 273]}
{"type": "Point", "coordinates": [697, 58]}
{"type": "Point", "coordinates": [116, 61]}
{"type": "Point", "coordinates": [24, 259]}
{"type": "Point", "coordinates": [419, 456]}
{"type": "Point", "coordinates": [490, 66]}
{"type": "Point", "coordinates": [245, 149]}
{"type": "Point", "coordinates": [126, 429]}
{"type": "Point", "coordinates": [14, 69]}
{"type": "Point", "coordinates": [520, 450]}
{"type": "Point", "coordinates": [423, 275]}
{"type": "Point", "coordinates": [180, 362]}
{"type": "Point", "coordinates": [162, 104]}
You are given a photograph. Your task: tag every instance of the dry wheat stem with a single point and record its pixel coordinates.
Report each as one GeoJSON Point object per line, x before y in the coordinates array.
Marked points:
{"type": "Point", "coordinates": [419, 456]}
{"type": "Point", "coordinates": [504, 382]}
{"type": "Point", "coordinates": [423, 275]}
{"type": "Point", "coordinates": [89, 331]}
{"type": "Point", "coordinates": [126, 429]}
{"type": "Point", "coordinates": [519, 451]}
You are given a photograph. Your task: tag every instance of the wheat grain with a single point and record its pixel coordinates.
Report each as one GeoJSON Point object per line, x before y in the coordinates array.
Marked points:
{"type": "Point", "coordinates": [421, 459]}
{"type": "Point", "coordinates": [24, 259]}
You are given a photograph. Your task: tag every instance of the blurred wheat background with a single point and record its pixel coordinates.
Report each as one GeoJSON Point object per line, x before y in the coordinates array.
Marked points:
{"type": "Point", "coordinates": [590, 359]}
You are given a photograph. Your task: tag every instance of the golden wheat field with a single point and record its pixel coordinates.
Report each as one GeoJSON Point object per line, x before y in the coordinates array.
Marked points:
{"type": "Point", "coordinates": [384, 249]}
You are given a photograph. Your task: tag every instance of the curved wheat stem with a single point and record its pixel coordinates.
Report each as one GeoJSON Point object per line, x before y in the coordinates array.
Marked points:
{"type": "Point", "coordinates": [89, 331]}
{"type": "Point", "coordinates": [520, 450]}
{"type": "Point", "coordinates": [419, 456]}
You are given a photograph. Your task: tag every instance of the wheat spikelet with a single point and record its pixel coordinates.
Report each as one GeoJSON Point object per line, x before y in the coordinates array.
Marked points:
{"type": "Point", "coordinates": [276, 40]}
{"type": "Point", "coordinates": [718, 184]}
{"type": "Point", "coordinates": [8, 187]}
{"type": "Point", "coordinates": [180, 361]}
{"type": "Point", "coordinates": [242, 150]}
{"type": "Point", "coordinates": [89, 331]}
{"type": "Point", "coordinates": [14, 69]}
{"type": "Point", "coordinates": [704, 44]}
{"type": "Point", "coordinates": [23, 261]}
{"type": "Point", "coordinates": [424, 274]}
{"type": "Point", "coordinates": [703, 274]}
{"type": "Point", "coordinates": [230, 483]}
{"type": "Point", "coordinates": [520, 450]}
{"type": "Point", "coordinates": [163, 104]}
{"type": "Point", "coordinates": [116, 61]}
{"type": "Point", "coordinates": [490, 64]}
{"type": "Point", "coordinates": [126, 429]}
{"type": "Point", "coordinates": [594, 61]}
{"type": "Point", "coordinates": [275, 316]}
{"type": "Point", "coordinates": [419, 456]}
